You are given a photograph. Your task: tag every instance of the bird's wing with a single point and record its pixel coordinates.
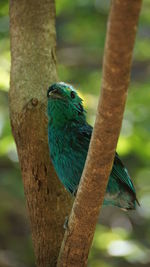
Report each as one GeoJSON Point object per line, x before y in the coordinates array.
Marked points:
{"type": "Point", "coordinates": [86, 131]}
{"type": "Point", "coordinates": [120, 172]}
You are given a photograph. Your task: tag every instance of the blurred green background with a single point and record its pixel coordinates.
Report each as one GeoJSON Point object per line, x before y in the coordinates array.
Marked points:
{"type": "Point", "coordinates": [121, 238]}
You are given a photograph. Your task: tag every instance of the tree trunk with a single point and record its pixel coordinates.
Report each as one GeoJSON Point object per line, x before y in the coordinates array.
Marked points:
{"type": "Point", "coordinates": [33, 69]}
{"type": "Point", "coordinates": [121, 33]}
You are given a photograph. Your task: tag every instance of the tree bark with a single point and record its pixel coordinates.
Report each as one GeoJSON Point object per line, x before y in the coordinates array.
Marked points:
{"type": "Point", "coordinates": [121, 31]}
{"type": "Point", "coordinates": [33, 69]}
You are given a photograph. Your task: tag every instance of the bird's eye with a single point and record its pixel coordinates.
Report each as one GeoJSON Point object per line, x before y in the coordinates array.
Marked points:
{"type": "Point", "coordinates": [72, 94]}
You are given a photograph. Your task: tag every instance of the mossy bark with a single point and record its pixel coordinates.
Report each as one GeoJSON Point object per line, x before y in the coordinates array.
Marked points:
{"type": "Point", "coordinates": [33, 69]}
{"type": "Point", "coordinates": [122, 25]}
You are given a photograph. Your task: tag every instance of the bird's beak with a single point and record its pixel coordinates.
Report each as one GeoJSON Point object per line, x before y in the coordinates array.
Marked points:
{"type": "Point", "coordinates": [54, 94]}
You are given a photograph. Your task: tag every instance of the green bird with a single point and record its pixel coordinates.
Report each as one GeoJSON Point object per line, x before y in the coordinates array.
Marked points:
{"type": "Point", "coordinates": [69, 136]}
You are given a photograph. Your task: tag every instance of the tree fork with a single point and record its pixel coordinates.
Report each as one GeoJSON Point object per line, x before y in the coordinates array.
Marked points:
{"type": "Point", "coordinates": [121, 32]}
{"type": "Point", "coordinates": [33, 69]}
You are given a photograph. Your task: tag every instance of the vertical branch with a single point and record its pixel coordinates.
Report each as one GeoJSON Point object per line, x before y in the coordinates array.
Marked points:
{"type": "Point", "coordinates": [121, 32]}
{"type": "Point", "coordinates": [33, 68]}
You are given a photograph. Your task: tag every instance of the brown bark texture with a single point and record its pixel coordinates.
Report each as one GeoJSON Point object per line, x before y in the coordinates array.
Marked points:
{"type": "Point", "coordinates": [33, 69]}
{"type": "Point", "coordinates": [121, 32]}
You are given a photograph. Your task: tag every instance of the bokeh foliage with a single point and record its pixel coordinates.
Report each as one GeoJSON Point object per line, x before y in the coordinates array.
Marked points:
{"type": "Point", "coordinates": [121, 239]}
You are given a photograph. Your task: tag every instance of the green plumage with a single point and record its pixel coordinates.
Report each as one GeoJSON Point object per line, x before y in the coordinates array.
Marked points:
{"type": "Point", "coordinates": [69, 136]}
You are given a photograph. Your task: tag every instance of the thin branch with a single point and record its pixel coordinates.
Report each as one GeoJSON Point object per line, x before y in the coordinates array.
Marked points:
{"type": "Point", "coordinates": [121, 32]}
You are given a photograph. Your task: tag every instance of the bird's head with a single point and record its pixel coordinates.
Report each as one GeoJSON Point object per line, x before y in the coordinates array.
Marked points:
{"type": "Point", "coordinates": [64, 104]}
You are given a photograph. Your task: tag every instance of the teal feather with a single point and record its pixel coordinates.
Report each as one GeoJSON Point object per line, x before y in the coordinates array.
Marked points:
{"type": "Point", "coordinates": [69, 136]}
